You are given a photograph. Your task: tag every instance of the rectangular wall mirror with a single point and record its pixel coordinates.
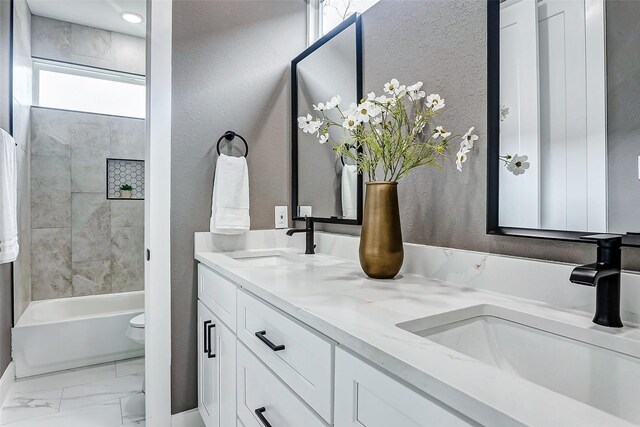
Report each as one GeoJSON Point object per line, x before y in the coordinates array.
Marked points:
{"type": "Point", "coordinates": [564, 118]}
{"type": "Point", "coordinates": [326, 187]}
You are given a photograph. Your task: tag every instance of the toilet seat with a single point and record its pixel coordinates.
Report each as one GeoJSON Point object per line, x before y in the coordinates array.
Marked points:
{"type": "Point", "coordinates": [137, 322]}
{"type": "Point", "coordinates": [135, 331]}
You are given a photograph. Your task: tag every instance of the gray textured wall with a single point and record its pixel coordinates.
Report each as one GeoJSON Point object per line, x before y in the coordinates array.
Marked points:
{"type": "Point", "coordinates": [623, 114]}
{"type": "Point", "coordinates": [230, 71]}
{"type": "Point", "coordinates": [78, 44]}
{"type": "Point", "coordinates": [443, 43]}
{"type": "Point", "coordinates": [82, 243]}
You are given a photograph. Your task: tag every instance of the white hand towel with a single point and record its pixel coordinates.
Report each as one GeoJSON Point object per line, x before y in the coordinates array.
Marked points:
{"type": "Point", "coordinates": [349, 191]}
{"type": "Point", "coordinates": [230, 201]}
{"type": "Point", "coordinates": [8, 199]}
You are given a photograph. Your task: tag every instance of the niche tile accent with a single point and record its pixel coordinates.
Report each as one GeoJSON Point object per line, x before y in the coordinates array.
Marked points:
{"type": "Point", "coordinates": [125, 171]}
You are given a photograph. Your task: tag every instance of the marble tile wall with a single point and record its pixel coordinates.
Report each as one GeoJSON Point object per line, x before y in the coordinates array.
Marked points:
{"type": "Point", "coordinates": [64, 41]}
{"type": "Point", "coordinates": [22, 97]}
{"type": "Point", "coordinates": [82, 243]}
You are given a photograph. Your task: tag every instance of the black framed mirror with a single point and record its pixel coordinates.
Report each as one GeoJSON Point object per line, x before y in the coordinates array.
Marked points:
{"type": "Point", "coordinates": [563, 112]}
{"type": "Point", "coordinates": [324, 186]}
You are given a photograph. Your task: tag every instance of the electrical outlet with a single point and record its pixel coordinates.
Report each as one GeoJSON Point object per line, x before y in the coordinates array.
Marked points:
{"type": "Point", "coordinates": [305, 211]}
{"type": "Point", "coordinates": [282, 218]}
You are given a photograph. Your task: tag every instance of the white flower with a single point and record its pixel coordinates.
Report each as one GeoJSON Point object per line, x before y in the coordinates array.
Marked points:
{"type": "Point", "coordinates": [308, 125]}
{"type": "Point", "coordinates": [504, 112]}
{"type": "Point", "coordinates": [323, 138]}
{"type": "Point", "coordinates": [350, 123]}
{"type": "Point", "coordinates": [352, 110]}
{"type": "Point", "coordinates": [395, 88]}
{"type": "Point", "coordinates": [439, 131]}
{"type": "Point", "coordinates": [392, 86]}
{"type": "Point", "coordinates": [366, 110]}
{"type": "Point", "coordinates": [371, 96]}
{"type": "Point", "coordinates": [461, 157]}
{"type": "Point", "coordinates": [518, 165]}
{"type": "Point", "coordinates": [435, 102]}
{"type": "Point", "coordinates": [320, 107]}
{"type": "Point", "coordinates": [334, 102]}
{"type": "Point", "coordinates": [383, 100]}
{"type": "Point", "coordinates": [377, 120]}
{"type": "Point", "coordinates": [415, 93]}
{"type": "Point", "coordinates": [468, 138]}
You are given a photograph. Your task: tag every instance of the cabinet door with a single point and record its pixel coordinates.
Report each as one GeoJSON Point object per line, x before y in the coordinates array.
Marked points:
{"type": "Point", "coordinates": [367, 397]}
{"type": "Point", "coordinates": [208, 397]}
{"type": "Point", "coordinates": [216, 370]}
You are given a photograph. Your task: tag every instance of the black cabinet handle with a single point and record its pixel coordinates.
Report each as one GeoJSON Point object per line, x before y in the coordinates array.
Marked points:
{"type": "Point", "coordinates": [259, 413]}
{"type": "Point", "coordinates": [209, 328]}
{"type": "Point", "coordinates": [272, 346]}
{"type": "Point", "coordinates": [206, 336]}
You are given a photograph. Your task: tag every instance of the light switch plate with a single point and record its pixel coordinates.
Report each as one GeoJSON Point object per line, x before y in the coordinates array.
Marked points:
{"type": "Point", "coordinates": [282, 218]}
{"type": "Point", "coordinates": [305, 211]}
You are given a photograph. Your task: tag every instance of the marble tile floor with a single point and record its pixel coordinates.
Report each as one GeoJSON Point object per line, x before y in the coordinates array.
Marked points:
{"type": "Point", "coordinates": [106, 395]}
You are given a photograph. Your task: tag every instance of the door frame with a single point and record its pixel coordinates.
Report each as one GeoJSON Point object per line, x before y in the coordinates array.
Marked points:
{"type": "Point", "coordinates": [157, 270]}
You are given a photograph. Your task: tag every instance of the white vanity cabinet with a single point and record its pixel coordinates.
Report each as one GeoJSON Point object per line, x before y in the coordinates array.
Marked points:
{"type": "Point", "coordinates": [216, 349]}
{"type": "Point", "coordinates": [261, 367]}
{"type": "Point", "coordinates": [367, 397]}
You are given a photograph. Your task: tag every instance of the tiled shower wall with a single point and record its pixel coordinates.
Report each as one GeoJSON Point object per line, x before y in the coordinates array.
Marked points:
{"type": "Point", "coordinates": [22, 96]}
{"type": "Point", "coordinates": [94, 47]}
{"type": "Point", "coordinates": [82, 243]}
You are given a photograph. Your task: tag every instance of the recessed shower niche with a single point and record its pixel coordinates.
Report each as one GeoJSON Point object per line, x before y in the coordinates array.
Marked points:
{"type": "Point", "coordinates": [125, 172]}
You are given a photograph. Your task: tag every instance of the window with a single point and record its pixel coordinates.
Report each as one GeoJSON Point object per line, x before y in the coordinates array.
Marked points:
{"type": "Point", "coordinates": [73, 87]}
{"type": "Point", "coordinates": [325, 15]}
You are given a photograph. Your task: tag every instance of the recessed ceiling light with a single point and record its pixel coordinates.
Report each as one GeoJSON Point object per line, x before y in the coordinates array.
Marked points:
{"type": "Point", "coordinates": [131, 17]}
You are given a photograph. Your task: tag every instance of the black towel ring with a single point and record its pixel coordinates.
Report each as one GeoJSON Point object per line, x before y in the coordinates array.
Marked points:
{"type": "Point", "coordinates": [229, 135]}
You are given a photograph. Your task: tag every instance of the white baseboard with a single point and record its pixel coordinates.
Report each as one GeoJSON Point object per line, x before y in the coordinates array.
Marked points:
{"type": "Point", "coordinates": [6, 382]}
{"type": "Point", "coordinates": [190, 418]}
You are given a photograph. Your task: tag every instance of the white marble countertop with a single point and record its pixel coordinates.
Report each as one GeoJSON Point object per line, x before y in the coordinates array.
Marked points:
{"type": "Point", "coordinates": [333, 296]}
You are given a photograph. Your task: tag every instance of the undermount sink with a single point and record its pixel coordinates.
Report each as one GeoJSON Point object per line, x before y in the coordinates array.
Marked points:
{"type": "Point", "coordinates": [266, 258]}
{"type": "Point", "coordinates": [568, 359]}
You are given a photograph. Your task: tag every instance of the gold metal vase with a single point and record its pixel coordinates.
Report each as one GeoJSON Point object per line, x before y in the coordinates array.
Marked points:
{"type": "Point", "coordinates": [381, 252]}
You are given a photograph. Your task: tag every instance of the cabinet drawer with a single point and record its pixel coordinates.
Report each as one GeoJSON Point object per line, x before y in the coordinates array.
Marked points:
{"type": "Point", "coordinates": [367, 397]}
{"type": "Point", "coordinates": [218, 294]}
{"type": "Point", "coordinates": [300, 357]}
{"type": "Point", "coordinates": [260, 393]}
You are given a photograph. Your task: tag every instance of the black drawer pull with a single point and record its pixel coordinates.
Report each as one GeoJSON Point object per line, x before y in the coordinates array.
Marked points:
{"type": "Point", "coordinates": [209, 354]}
{"type": "Point", "coordinates": [272, 346]}
{"type": "Point", "coordinates": [206, 336]}
{"type": "Point", "coordinates": [261, 417]}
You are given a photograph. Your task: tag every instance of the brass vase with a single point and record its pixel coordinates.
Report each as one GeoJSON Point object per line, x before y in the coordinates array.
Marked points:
{"type": "Point", "coordinates": [381, 252]}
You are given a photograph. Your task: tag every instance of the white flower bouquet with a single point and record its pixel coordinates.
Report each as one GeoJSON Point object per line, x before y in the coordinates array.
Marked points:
{"type": "Point", "coordinates": [389, 135]}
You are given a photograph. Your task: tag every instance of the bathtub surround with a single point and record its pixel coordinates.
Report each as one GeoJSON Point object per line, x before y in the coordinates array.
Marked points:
{"type": "Point", "coordinates": [78, 44]}
{"type": "Point", "coordinates": [258, 39]}
{"type": "Point", "coordinates": [82, 243]}
{"type": "Point", "coordinates": [97, 323]}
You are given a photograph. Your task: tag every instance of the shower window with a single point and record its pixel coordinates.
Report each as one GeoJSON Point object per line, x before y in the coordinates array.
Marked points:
{"type": "Point", "coordinates": [325, 15]}
{"type": "Point", "coordinates": [77, 88]}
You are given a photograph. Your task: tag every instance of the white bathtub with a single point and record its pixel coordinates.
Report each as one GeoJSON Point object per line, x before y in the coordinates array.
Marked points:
{"type": "Point", "coordinates": [65, 333]}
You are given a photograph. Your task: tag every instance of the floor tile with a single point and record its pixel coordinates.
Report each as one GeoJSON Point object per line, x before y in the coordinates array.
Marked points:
{"type": "Point", "coordinates": [22, 406]}
{"type": "Point", "coordinates": [68, 378]}
{"type": "Point", "coordinates": [106, 414]}
{"type": "Point", "coordinates": [129, 366]}
{"type": "Point", "coordinates": [89, 394]}
{"type": "Point", "coordinates": [132, 408]}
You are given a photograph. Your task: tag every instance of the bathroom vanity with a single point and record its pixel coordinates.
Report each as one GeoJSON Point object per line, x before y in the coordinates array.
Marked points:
{"type": "Point", "coordinates": [308, 340]}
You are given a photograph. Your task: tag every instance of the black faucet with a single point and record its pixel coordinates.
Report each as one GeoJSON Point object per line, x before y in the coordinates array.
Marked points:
{"type": "Point", "coordinates": [309, 230]}
{"type": "Point", "coordinates": [605, 276]}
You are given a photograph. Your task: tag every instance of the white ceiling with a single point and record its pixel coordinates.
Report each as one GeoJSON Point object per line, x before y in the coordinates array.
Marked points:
{"type": "Point", "coordinates": [104, 14]}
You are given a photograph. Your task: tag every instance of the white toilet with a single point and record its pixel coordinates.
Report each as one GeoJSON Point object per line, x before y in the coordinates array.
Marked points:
{"type": "Point", "coordinates": [135, 331]}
